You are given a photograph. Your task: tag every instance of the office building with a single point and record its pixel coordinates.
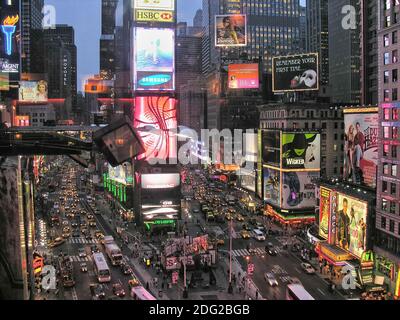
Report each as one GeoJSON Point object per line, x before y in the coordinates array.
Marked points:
{"type": "Point", "coordinates": [107, 40]}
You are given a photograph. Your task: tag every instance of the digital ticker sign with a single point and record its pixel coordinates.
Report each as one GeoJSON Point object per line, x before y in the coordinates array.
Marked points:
{"type": "Point", "coordinates": [154, 59]}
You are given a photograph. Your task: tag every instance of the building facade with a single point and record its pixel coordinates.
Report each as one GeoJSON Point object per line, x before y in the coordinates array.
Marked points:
{"type": "Point", "coordinates": [107, 40]}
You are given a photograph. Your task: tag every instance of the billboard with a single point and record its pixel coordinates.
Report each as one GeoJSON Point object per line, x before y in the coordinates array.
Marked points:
{"type": "Point", "coordinates": [121, 174]}
{"type": "Point", "coordinates": [247, 179]}
{"type": "Point", "coordinates": [230, 30]}
{"type": "Point", "coordinates": [154, 16]}
{"type": "Point", "coordinates": [271, 146]}
{"type": "Point", "coordinates": [155, 4]}
{"type": "Point", "coordinates": [4, 82]}
{"type": "Point", "coordinates": [324, 212]}
{"type": "Point", "coordinates": [295, 73]}
{"type": "Point", "coordinates": [298, 190]}
{"type": "Point", "coordinates": [243, 76]}
{"type": "Point", "coordinates": [351, 224]}
{"type": "Point", "coordinates": [272, 186]}
{"type": "Point", "coordinates": [32, 91]}
{"type": "Point", "coordinates": [160, 180]}
{"type": "Point", "coordinates": [10, 38]}
{"type": "Point", "coordinates": [154, 59]}
{"type": "Point", "coordinates": [301, 151]}
{"type": "Point", "coordinates": [250, 147]}
{"type": "Point", "coordinates": [156, 120]}
{"type": "Point", "coordinates": [361, 147]}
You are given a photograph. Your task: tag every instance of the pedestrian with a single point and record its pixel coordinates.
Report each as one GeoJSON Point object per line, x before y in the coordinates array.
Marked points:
{"type": "Point", "coordinates": [257, 295]}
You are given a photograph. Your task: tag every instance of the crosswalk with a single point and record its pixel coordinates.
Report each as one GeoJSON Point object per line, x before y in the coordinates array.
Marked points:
{"type": "Point", "coordinates": [79, 259]}
{"type": "Point", "coordinates": [245, 252]}
{"type": "Point", "coordinates": [237, 235]}
{"type": "Point", "coordinates": [82, 241]}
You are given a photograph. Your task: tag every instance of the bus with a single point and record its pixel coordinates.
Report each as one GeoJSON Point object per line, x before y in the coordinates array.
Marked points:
{"type": "Point", "coordinates": [297, 292]}
{"type": "Point", "coordinates": [140, 293]}
{"type": "Point", "coordinates": [101, 268]}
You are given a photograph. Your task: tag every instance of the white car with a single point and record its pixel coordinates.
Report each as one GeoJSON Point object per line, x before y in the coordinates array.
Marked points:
{"type": "Point", "coordinates": [270, 279]}
{"type": "Point", "coordinates": [308, 268]}
{"type": "Point", "coordinates": [82, 253]}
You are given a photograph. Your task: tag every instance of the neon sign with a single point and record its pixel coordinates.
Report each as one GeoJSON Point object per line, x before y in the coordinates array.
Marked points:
{"type": "Point", "coordinates": [8, 29]}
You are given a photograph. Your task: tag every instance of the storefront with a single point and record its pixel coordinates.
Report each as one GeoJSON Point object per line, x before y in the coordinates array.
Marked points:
{"type": "Point", "coordinates": [389, 271]}
{"type": "Point", "coordinates": [333, 255]}
{"type": "Point", "coordinates": [298, 220]}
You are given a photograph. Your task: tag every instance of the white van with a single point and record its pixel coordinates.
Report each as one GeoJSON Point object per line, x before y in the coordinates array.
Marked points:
{"type": "Point", "coordinates": [258, 235]}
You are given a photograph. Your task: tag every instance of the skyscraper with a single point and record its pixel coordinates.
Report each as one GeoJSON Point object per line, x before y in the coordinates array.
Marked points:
{"type": "Point", "coordinates": [107, 43]}
{"type": "Point", "coordinates": [344, 54]}
{"type": "Point", "coordinates": [317, 36]}
{"type": "Point", "coordinates": [388, 184]}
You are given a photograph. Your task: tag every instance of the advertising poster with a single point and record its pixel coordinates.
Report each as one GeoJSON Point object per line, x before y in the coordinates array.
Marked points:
{"type": "Point", "coordinates": [230, 30]}
{"type": "Point", "coordinates": [324, 212]}
{"type": "Point", "coordinates": [154, 63]}
{"type": "Point", "coordinates": [295, 73]}
{"type": "Point", "coordinates": [10, 38]}
{"type": "Point", "coordinates": [121, 174]}
{"type": "Point", "coordinates": [361, 148]}
{"type": "Point", "coordinates": [247, 179]}
{"type": "Point", "coordinates": [271, 146]}
{"type": "Point", "coordinates": [301, 151]}
{"type": "Point", "coordinates": [160, 180]}
{"type": "Point", "coordinates": [272, 186]}
{"type": "Point", "coordinates": [351, 225]}
{"type": "Point", "coordinates": [4, 82]}
{"type": "Point", "coordinates": [33, 91]}
{"type": "Point", "coordinates": [154, 16]}
{"type": "Point", "coordinates": [155, 4]}
{"type": "Point", "coordinates": [243, 76]}
{"type": "Point", "coordinates": [298, 190]}
{"type": "Point", "coordinates": [156, 121]}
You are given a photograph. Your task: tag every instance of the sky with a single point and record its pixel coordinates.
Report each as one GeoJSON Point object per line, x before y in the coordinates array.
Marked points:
{"type": "Point", "coordinates": [85, 17]}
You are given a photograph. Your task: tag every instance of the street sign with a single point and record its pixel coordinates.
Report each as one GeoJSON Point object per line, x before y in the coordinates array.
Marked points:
{"type": "Point", "coordinates": [250, 269]}
{"type": "Point", "coordinates": [175, 277]}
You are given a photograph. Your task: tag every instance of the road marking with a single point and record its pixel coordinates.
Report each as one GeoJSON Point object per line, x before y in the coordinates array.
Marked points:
{"type": "Point", "coordinates": [297, 270]}
{"type": "Point", "coordinates": [321, 291]}
{"type": "Point", "coordinates": [74, 295]}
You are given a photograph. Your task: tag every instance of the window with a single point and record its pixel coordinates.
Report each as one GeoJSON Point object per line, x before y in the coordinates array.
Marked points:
{"type": "Point", "coordinates": [387, 4]}
{"type": "Point", "coordinates": [313, 125]}
{"type": "Point", "coordinates": [386, 40]}
{"type": "Point", "coordinates": [383, 223]}
{"type": "Point", "coordinates": [336, 125]}
{"type": "Point", "coordinates": [385, 96]}
{"type": "Point", "coordinates": [394, 170]}
{"type": "Point", "coordinates": [395, 115]}
{"type": "Point", "coordinates": [395, 56]}
{"type": "Point", "coordinates": [386, 114]}
{"type": "Point", "coordinates": [394, 75]}
{"type": "Point", "coordinates": [394, 94]}
{"type": "Point", "coordinates": [391, 226]}
{"type": "Point", "coordinates": [384, 205]}
{"type": "Point", "coordinates": [385, 168]}
{"type": "Point", "coordinates": [386, 134]}
{"type": "Point", "coordinates": [395, 131]}
{"type": "Point", "coordinates": [393, 189]}
{"type": "Point", "coordinates": [323, 125]}
{"type": "Point", "coordinates": [386, 76]}
{"type": "Point", "coordinates": [384, 186]}
{"type": "Point", "coordinates": [306, 125]}
{"type": "Point", "coordinates": [386, 58]}
{"type": "Point", "coordinates": [394, 152]}
{"type": "Point", "coordinates": [394, 37]}
{"type": "Point", "coordinates": [387, 22]}
{"type": "Point", "coordinates": [385, 150]}
{"type": "Point", "coordinates": [392, 207]}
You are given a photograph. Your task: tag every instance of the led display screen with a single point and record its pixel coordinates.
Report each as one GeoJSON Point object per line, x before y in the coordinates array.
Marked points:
{"type": "Point", "coordinates": [160, 180]}
{"type": "Point", "coordinates": [324, 212]}
{"type": "Point", "coordinates": [272, 193]}
{"type": "Point", "coordinates": [32, 91]}
{"type": "Point", "coordinates": [155, 4]}
{"type": "Point", "coordinates": [243, 76]}
{"type": "Point", "coordinates": [301, 150]}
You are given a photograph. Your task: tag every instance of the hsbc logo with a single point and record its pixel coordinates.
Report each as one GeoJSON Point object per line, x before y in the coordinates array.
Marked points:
{"type": "Point", "coordinates": [154, 16]}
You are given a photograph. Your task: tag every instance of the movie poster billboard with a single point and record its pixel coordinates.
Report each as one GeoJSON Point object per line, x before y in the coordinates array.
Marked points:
{"type": "Point", "coordinates": [301, 151]}
{"type": "Point", "coordinates": [351, 224]}
{"type": "Point", "coordinates": [271, 147]}
{"type": "Point", "coordinates": [324, 212]}
{"type": "Point", "coordinates": [361, 148]}
{"type": "Point", "coordinates": [154, 59]}
{"type": "Point", "coordinates": [230, 30]}
{"type": "Point", "coordinates": [298, 190]}
{"type": "Point", "coordinates": [272, 193]}
{"type": "Point", "coordinates": [33, 91]}
{"type": "Point", "coordinates": [295, 73]}
{"type": "Point", "coordinates": [155, 118]}
{"type": "Point", "coordinates": [243, 76]}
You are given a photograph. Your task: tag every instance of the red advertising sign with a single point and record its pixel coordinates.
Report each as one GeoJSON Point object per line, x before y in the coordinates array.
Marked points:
{"type": "Point", "coordinates": [250, 269]}
{"type": "Point", "coordinates": [175, 277]}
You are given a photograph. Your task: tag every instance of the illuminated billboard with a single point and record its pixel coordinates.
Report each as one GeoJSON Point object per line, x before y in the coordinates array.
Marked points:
{"type": "Point", "coordinates": [10, 38]}
{"type": "Point", "coordinates": [121, 174]}
{"type": "Point", "coordinates": [4, 82]}
{"type": "Point", "coordinates": [271, 146]}
{"type": "Point", "coordinates": [32, 91]}
{"type": "Point", "coordinates": [295, 73]}
{"type": "Point", "coordinates": [154, 16]}
{"type": "Point", "coordinates": [272, 191]}
{"type": "Point", "coordinates": [156, 121]}
{"type": "Point", "coordinates": [301, 151]}
{"type": "Point", "coordinates": [155, 4]}
{"type": "Point", "coordinates": [243, 76]}
{"type": "Point", "coordinates": [351, 224]}
{"type": "Point", "coordinates": [361, 147]}
{"type": "Point", "coordinates": [230, 30]}
{"type": "Point", "coordinates": [160, 180]}
{"type": "Point", "coordinates": [324, 212]}
{"type": "Point", "coordinates": [298, 190]}
{"type": "Point", "coordinates": [250, 147]}
{"type": "Point", "coordinates": [154, 59]}
{"type": "Point", "coordinates": [247, 179]}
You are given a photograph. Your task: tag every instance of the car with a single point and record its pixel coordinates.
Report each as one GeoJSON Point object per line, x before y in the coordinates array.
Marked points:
{"type": "Point", "coordinates": [76, 233]}
{"type": "Point", "coordinates": [245, 234]}
{"type": "Point", "coordinates": [270, 249]}
{"type": "Point", "coordinates": [82, 253]}
{"type": "Point", "coordinates": [83, 266]}
{"type": "Point", "coordinates": [65, 223]}
{"type": "Point", "coordinates": [246, 227]}
{"type": "Point", "coordinates": [270, 279]}
{"type": "Point", "coordinates": [88, 237]}
{"type": "Point", "coordinates": [92, 224]}
{"type": "Point", "coordinates": [210, 216]}
{"type": "Point", "coordinates": [118, 290]}
{"type": "Point", "coordinates": [228, 217]}
{"type": "Point", "coordinates": [259, 235]}
{"type": "Point", "coordinates": [195, 210]}
{"type": "Point", "coordinates": [260, 226]}
{"type": "Point", "coordinates": [90, 216]}
{"type": "Point", "coordinates": [94, 249]}
{"type": "Point", "coordinates": [66, 229]}
{"type": "Point", "coordinates": [308, 268]}
{"type": "Point", "coordinates": [239, 217]}
{"type": "Point", "coordinates": [97, 291]}
{"type": "Point", "coordinates": [57, 241]}
{"type": "Point", "coordinates": [66, 235]}
{"type": "Point", "coordinates": [253, 221]}
{"type": "Point", "coordinates": [126, 270]}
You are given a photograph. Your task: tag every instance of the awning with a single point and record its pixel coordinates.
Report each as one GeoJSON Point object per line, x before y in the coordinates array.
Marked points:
{"type": "Point", "coordinates": [333, 254]}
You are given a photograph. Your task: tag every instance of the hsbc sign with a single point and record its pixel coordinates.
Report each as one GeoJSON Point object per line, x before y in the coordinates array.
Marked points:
{"type": "Point", "coordinates": [154, 16]}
